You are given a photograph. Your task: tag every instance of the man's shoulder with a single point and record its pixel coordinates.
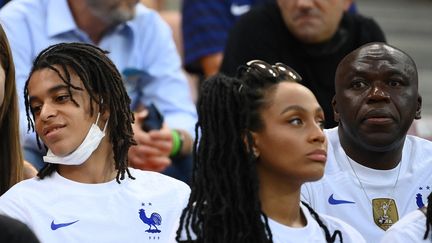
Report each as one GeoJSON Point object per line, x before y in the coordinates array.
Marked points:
{"type": "Point", "coordinates": [363, 28]}
{"type": "Point", "coordinates": [419, 146]}
{"type": "Point", "coordinates": [266, 15]}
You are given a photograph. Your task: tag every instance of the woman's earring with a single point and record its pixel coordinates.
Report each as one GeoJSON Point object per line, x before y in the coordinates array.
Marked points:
{"type": "Point", "coordinates": [255, 152]}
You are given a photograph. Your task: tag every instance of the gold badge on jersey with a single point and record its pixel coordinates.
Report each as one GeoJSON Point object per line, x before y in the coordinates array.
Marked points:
{"type": "Point", "coordinates": [385, 212]}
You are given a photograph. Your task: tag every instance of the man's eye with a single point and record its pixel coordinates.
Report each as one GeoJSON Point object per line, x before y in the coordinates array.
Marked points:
{"type": "Point", "coordinates": [358, 84]}
{"type": "Point", "coordinates": [394, 83]}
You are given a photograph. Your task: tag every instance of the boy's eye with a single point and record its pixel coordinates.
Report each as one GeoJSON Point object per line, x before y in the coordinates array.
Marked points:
{"type": "Point", "coordinates": [62, 98]}
{"type": "Point", "coordinates": [35, 109]}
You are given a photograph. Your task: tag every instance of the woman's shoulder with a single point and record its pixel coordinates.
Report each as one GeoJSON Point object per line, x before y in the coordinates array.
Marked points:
{"type": "Point", "coordinates": [349, 233]}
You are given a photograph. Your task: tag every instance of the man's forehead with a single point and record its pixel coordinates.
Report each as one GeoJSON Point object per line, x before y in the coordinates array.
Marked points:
{"type": "Point", "coordinates": [383, 56]}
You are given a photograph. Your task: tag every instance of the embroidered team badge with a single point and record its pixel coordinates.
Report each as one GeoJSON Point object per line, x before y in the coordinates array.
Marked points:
{"type": "Point", "coordinates": [153, 221]}
{"type": "Point", "coordinates": [385, 212]}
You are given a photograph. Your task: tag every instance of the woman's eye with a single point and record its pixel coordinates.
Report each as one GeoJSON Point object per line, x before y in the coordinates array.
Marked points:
{"type": "Point", "coordinates": [321, 123]}
{"type": "Point", "coordinates": [296, 121]}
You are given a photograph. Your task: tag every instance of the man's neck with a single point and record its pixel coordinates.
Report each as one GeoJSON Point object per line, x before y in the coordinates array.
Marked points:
{"type": "Point", "coordinates": [371, 158]}
{"type": "Point", "coordinates": [87, 21]}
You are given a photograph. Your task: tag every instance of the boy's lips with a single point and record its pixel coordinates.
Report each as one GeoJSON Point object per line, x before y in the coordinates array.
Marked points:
{"type": "Point", "coordinates": [51, 128]}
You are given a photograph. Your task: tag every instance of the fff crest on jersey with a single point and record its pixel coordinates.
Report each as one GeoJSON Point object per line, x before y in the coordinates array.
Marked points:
{"type": "Point", "coordinates": [385, 212]}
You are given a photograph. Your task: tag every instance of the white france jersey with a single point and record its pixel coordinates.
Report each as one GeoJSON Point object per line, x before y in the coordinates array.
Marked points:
{"type": "Point", "coordinates": [376, 206]}
{"type": "Point", "coordinates": [409, 229]}
{"type": "Point", "coordinates": [312, 232]}
{"type": "Point", "coordinates": [146, 209]}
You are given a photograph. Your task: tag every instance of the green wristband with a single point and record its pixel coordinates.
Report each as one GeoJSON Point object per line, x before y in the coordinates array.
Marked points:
{"type": "Point", "coordinates": [176, 143]}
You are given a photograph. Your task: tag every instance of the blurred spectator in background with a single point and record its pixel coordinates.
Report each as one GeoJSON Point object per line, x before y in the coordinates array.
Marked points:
{"type": "Point", "coordinates": [205, 28]}
{"type": "Point", "coordinates": [310, 36]}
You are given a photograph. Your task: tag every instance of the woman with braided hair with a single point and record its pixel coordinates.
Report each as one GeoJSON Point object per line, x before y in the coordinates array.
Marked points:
{"type": "Point", "coordinates": [261, 137]}
{"type": "Point", "coordinates": [76, 102]}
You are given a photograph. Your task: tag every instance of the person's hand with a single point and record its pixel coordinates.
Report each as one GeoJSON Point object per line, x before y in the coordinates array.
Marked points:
{"type": "Point", "coordinates": [29, 170]}
{"type": "Point", "coordinates": [153, 148]}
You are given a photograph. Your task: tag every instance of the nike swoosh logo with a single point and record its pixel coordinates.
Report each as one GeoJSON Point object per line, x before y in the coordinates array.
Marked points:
{"type": "Point", "coordinates": [55, 226]}
{"type": "Point", "coordinates": [333, 201]}
{"type": "Point", "coordinates": [238, 10]}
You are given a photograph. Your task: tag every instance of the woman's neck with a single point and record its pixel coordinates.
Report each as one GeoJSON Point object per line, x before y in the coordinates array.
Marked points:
{"type": "Point", "coordinates": [280, 201]}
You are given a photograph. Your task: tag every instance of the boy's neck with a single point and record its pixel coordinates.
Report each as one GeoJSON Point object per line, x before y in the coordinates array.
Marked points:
{"type": "Point", "coordinates": [98, 168]}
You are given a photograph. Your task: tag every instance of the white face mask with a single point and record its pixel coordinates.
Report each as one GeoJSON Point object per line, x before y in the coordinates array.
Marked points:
{"type": "Point", "coordinates": [83, 152]}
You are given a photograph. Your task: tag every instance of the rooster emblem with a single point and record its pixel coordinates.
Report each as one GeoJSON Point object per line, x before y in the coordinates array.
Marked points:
{"type": "Point", "coordinates": [419, 200]}
{"type": "Point", "coordinates": [152, 221]}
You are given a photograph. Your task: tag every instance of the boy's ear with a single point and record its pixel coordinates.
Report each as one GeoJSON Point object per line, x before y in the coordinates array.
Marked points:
{"type": "Point", "coordinates": [104, 112]}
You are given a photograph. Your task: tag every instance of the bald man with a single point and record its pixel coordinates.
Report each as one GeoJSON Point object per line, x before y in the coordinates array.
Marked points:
{"type": "Point", "coordinates": [375, 172]}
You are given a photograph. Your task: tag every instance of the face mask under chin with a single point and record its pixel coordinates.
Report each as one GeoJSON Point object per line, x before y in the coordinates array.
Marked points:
{"type": "Point", "coordinates": [84, 151]}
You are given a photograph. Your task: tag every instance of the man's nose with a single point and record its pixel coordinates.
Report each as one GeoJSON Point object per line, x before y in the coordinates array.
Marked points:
{"type": "Point", "coordinates": [305, 3]}
{"type": "Point", "coordinates": [378, 93]}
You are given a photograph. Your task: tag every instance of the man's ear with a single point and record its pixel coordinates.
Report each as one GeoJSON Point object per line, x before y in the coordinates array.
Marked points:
{"type": "Point", "coordinates": [418, 110]}
{"type": "Point", "coordinates": [335, 110]}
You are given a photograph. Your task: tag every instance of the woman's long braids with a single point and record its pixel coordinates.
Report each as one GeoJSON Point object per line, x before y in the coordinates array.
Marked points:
{"type": "Point", "coordinates": [224, 205]}
{"type": "Point", "coordinates": [104, 85]}
{"type": "Point", "coordinates": [428, 217]}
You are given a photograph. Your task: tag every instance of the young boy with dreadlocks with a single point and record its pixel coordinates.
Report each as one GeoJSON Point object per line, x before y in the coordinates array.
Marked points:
{"type": "Point", "coordinates": [76, 102]}
{"type": "Point", "coordinates": [261, 138]}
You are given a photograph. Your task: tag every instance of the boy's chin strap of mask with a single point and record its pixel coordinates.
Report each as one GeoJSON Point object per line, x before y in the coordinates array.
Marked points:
{"type": "Point", "coordinates": [83, 152]}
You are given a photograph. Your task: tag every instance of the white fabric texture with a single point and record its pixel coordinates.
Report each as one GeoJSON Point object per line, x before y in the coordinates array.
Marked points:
{"type": "Point", "coordinates": [61, 210]}
{"type": "Point", "coordinates": [410, 229]}
{"type": "Point", "coordinates": [340, 183]}
{"type": "Point", "coordinates": [312, 232]}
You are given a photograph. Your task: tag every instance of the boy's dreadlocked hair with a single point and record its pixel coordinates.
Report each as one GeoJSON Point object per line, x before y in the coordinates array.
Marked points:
{"type": "Point", "coordinates": [104, 85]}
{"type": "Point", "coordinates": [224, 204]}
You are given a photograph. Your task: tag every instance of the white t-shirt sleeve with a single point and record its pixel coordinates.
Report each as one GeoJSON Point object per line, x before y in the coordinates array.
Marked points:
{"type": "Point", "coordinates": [11, 204]}
{"type": "Point", "coordinates": [409, 229]}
